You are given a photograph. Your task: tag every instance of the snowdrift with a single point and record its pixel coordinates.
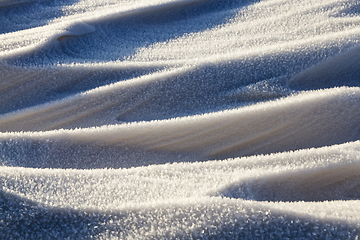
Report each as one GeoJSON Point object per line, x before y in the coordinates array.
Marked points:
{"type": "Point", "coordinates": [186, 119]}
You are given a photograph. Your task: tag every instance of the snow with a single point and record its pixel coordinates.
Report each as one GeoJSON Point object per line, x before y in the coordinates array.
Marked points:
{"type": "Point", "coordinates": [166, 119]}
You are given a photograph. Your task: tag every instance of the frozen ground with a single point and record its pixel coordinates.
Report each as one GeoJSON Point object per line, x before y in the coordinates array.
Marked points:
{"type": "Point", "coordinates": [165, 119]}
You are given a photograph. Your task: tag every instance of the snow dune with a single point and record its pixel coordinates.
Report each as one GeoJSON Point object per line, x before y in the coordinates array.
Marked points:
{"type": "Point", "coordinates": [286, 124]}
{"type": "Point", "coordinates": [187, 119]}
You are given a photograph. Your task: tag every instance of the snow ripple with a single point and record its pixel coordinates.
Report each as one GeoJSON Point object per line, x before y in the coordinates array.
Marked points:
{"type": "Point", "coordinates": [186, 119]}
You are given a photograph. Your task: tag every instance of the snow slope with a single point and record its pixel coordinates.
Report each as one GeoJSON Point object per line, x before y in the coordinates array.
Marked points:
{"type": "Point", "coordinates": [166, 119]}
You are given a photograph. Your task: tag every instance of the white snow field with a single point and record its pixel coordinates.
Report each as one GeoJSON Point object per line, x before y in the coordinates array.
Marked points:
{"type": "Point", "coordinates": [179, 119]}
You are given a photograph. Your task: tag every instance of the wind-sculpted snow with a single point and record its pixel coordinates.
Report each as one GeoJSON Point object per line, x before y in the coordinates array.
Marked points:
{"type": "Point", "coordinates": [179, 119]}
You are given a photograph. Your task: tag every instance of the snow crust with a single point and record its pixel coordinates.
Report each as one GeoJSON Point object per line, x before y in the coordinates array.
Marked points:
{"type": "Point", "coordinates": [179, 119]}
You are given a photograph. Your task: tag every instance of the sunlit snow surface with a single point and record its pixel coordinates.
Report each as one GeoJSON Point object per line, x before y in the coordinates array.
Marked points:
{"type": "Point", "coordinates": [188, 119]}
